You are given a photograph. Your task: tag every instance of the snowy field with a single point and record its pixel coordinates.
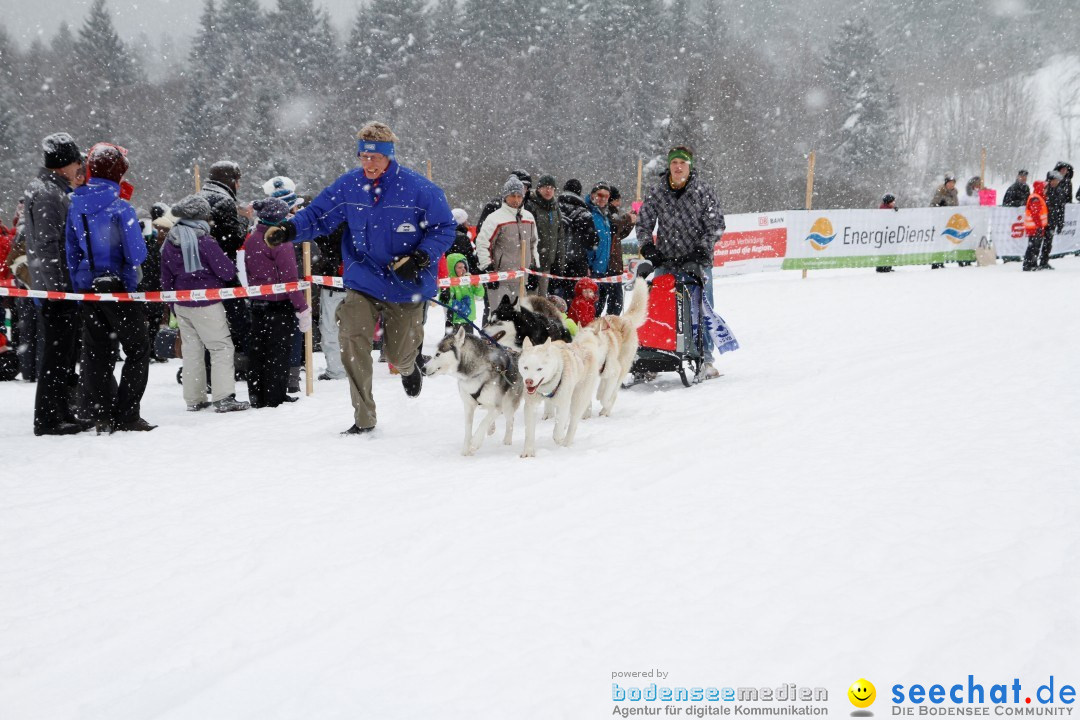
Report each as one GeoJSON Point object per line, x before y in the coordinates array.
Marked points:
{"type": "Point", "coordinates": [883, 484]}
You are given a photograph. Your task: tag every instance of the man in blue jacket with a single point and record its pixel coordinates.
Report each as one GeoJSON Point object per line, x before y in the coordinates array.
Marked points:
{"type": "Point", "coordinates": [398, 223]}
{"type": "Point", "coordinates": [105, 248]}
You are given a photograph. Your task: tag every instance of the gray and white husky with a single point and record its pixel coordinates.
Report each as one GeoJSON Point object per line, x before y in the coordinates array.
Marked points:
{"type": "Point", "coordinates": [487, 377]}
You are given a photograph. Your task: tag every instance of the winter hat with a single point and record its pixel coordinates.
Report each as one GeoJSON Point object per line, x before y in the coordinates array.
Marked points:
{"type": "Point", "coordinates": [271, 211]}
{"type": "Point", "coordinates": [888, 199]}
{"type": "Point", "coordinates": [573, 185]}
{"type": "Point", "coordinates": [615, 194]}
{"type": "Point", "coordinates": [193, 207]}
{"type": "Point", "coordinates": [600, 186]}
{"type": "Point", "coordinates": [1022, 172]}
{"type": "Point", "coordinates": [546, 181]}
{"type": "Point", "coordinates": [107, 161]}
{"type": "Point", "coordinates": [557, 301]}
{"type": "Point", "coordinates": [460, 216]}
{"type": "Point", "coordinates": [524, 177]}
{"type": "Point", "coordinates": [158, 210]}
{"type": "Point", "coordinates": [513, 186]}
{"type": "Point", "coordinates": [60, 150]}
{"type": "Point", "coordinates": [949, 177]}
{"type": "Point", "coordinates": [1039, 187]}
{"type": "Point", "coordinates": [680, 152]}
{"type": "Point", "coordinates": [585, 284]}
{"type": "Point", "coordinates": [1054, 175]}
{"type": "Point", "coordinates": [225, 172]}
{"type": "Point", "coordinates": [283, 188]}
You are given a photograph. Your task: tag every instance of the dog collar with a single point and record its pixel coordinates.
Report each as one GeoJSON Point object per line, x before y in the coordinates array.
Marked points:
{"type": "Point", "coordinates": [552, 393]}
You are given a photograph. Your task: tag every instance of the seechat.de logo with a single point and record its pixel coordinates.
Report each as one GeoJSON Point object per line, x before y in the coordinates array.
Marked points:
{"type": "Point", "coordinates": [821, 234]}
{"type": "Point", "coordinates": [957, 229]}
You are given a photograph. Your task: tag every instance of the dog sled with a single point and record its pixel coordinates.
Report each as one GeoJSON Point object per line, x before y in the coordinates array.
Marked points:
{"type": "Point", "coordinates": [667, 341]}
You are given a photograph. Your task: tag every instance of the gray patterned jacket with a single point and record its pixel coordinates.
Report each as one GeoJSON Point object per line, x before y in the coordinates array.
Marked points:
{"type": "Point", "coordinates": [688, 222]}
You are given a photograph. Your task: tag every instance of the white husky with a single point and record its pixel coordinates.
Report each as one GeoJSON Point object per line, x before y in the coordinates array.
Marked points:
{"type": "Point", "coordinates": [616, 345]}
{"type": "Point", "coordinates": [564, 374]}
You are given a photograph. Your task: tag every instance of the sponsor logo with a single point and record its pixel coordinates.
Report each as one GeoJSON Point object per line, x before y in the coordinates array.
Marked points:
{"type": "Point", "coordinates": [862, 694]}
{"type": "Point", "coordinates": [821, 234]}
{"type": "Point", "coordinates": [957, 229]}
{"type": "Point", "coordinates": [406, 227]}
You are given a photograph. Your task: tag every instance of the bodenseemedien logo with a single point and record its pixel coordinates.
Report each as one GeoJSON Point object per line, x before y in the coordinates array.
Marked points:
{"type": "Point", "coordinates": [957, 229]}
{"type": "Point", "coordinates": [821, 234]}
{"type": "Point", "coordinates": [862, 695]}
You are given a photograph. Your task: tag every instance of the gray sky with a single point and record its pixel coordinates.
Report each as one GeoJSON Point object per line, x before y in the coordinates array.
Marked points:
{"type": "Point", "coordinates": [27, 19]}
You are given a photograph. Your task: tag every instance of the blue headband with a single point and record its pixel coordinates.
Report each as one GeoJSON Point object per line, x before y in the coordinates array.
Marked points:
{"type": "Point", "coordinates": [373, 146]}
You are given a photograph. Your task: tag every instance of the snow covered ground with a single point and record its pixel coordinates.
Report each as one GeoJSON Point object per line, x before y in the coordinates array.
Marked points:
{"type": "Point", "coordinates": [882, 485]}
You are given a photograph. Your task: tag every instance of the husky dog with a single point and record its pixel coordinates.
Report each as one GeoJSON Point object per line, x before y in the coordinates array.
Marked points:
{"type": "Point", "coordinates": [617, 340]}
{"type": "Point", "coordinates": [532, 317]}
{"type": "Point", "coordinates": [487, 376]}
{"type": "Point", "coordinates": [564, 374]}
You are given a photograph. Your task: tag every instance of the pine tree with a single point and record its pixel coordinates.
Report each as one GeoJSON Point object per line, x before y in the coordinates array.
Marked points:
{"type": "Point", "coordinates": [105, 70]}
{"type": "Point", "coordinates": [863, 136]}
{"type": "Point", "coordinates": [16, 161]}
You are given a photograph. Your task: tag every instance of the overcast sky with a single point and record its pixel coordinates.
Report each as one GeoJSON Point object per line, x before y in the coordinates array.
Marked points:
{"type": "Point", "coordinates": [27, 19]}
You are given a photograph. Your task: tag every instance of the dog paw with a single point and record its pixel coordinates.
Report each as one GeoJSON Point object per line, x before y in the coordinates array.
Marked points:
{"type": "Point", "coordinates": [528, 454]}
{"type": "Point", "coordinates": [491, 429]}
{"type": "Point", "coordinates": [605, 413]}
{"type": "Point", "coordinates": [468, 451]}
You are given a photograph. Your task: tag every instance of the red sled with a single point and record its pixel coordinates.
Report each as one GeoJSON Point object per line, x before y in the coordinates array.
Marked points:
{"type": "Point", "coordinates": [667, 342]}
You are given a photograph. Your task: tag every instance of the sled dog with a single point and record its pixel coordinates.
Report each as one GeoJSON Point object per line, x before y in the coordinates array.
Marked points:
{"type": "Point", "coordinates": [487, 378]}
{"type": "Point", "coordinates": [617, 344]}
{"type": "Point", "coordinates": [532, 317]}
{"type": "Point", "coordinates": [564, 374]}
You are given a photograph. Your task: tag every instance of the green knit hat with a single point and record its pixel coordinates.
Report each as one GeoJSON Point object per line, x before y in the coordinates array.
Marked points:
{"type": "Point", "coordinates": [680, 152]}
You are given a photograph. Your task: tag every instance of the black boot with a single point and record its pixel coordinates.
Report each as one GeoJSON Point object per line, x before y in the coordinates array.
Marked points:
{"type": "Point", "coordinates": [413, 382]}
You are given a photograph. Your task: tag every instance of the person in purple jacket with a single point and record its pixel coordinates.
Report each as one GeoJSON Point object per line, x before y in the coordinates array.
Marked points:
{"type": "Point", "coordinates": [192, 260]}
{"type": "Point", "coordinates": [274, 318]}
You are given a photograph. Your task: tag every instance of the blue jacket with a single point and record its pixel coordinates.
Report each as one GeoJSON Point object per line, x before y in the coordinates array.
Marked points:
{"type": "Point", "coordinates": [404, 212]}
{"type": "Point", "coordinates": [118, 243]}
{"type": "Point", "coordinates": [599, 255]}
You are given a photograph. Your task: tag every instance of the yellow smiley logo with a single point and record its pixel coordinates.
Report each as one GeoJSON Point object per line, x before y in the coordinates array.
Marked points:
{"type": "Point", "coordinates": [862, 693]}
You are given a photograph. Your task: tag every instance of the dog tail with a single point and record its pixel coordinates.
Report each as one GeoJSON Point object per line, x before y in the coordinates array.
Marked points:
{"type": "Point", "coordinates": [638, 310]}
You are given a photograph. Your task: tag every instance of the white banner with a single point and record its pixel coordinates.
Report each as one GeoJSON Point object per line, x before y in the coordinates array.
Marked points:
{"type": "Point", "coordinates": [819, 239]}
{"type": "Point", "coordinates": [1007, 232]}
{"type": "Point", "coordinates": [752, 242]}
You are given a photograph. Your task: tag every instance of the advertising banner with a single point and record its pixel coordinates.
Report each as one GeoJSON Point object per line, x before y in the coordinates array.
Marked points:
{"type": "Point", "coordinates": [822, 239]}
{"type": "Point", "coordinates": [1007, 232]}
{"type": "Point", "coordinates": [752, 242]}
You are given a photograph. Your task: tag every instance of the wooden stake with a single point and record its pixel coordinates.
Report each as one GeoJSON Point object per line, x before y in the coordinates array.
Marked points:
{"type": "Point", "coordinates": [524, 260]}
{"type": "Point", "coordinates": [982, 170]}
{"type": "Point", "coordinates": [809, 190]}
{"type": "Point", "coordinates": [308, 370]}
{"type": "Point", "coordinates": [198, 181]}
{"type": "Point", "coordinates": [637, 197]}
{"type": "Point", "coordinates": [428, 169]}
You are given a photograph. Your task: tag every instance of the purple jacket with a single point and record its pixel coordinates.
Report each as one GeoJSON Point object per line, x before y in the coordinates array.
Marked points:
{"type": "Point", "coordinates": [267, 265]}
{"type": "Point", "coordinates": [218, 270]}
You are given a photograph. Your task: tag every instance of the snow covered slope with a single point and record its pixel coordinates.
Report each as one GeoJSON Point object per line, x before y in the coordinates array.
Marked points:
{"type": "Point", "coordinates": [882, 485]}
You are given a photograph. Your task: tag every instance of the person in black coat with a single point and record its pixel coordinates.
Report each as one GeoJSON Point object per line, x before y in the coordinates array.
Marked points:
{"type": "Point", "coordinates": [581, 237]}
{"type": "Point", "coordinates": [1066, 171]}
{"type": "Point", "coordinates": [1018, 192]}
{"type": "Point", "coordinates": [1057, 196]}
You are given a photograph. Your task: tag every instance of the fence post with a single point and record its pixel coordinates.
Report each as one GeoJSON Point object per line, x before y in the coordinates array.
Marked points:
{"type": "Point", "coordinates": [309, 379]}
{"type": "Point", "coordinates": [637, 196]}
{"type": "Point", "coordinates": [198, 181]}
{"type": "Point", "coordinates": [809, 190]}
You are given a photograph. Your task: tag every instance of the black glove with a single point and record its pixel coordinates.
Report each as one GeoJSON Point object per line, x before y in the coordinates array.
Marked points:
{"type": "Point", "coordinates": [652, 254]}
{"type": "Point", "coordinates": [408, 267]}
{"type": "Point", "coordinates": [491, 285]}
{"type": "Point", "coordinates": [701, 256]}
{"type": "Point", "coordinates": [280, 234]}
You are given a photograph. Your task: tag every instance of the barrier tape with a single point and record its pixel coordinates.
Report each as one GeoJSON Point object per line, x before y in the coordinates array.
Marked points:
{"type": "Point", "coordinates": [167, 296]}
{"type": "Point", "coordinates": [337, 282]}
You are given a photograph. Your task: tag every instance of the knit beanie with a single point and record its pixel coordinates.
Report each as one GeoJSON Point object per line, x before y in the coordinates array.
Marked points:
{"type": "Point", "coordinates": [546, 181]}
{"type": "Point", "coordinates": [60, 150]}
{"type": "Point", "coordinates": [106, 161]}
{"type": "Point", "coordinates": [193, 207]}
{"type": "Point", "coordinates": [524, 177]}
{"type": "Point", "coordinates": [283, 188]}
{"type": "Point", "coordinates": [600, 186]}
{"type": "Point", "coordinates": [573, 185]}
{"type": "Point", "coordinates": [271, 211]}
{"type": "Point", "coordinates": [460, 216]}
{"type": "Point", "coordinates": [615, 195]}
{"type": "Point", "coordinates": [513, 186]}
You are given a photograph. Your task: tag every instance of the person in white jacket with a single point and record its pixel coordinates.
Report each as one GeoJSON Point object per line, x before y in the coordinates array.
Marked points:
{"type": "Point", "coordinates": [501, 238]}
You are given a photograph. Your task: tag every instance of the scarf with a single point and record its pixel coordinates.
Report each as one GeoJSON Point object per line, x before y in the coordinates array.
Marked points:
{"type": "Point", "coordinates": [186, 233]}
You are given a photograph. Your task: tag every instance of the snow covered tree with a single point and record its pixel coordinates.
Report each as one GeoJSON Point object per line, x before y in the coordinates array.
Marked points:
{"type": "Point", "coordinates": [861, 158]}
{"type": "Point", "coordinates": [105, 71]}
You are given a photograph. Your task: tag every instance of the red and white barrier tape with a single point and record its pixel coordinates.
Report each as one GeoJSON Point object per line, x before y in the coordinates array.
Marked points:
{"type": "Point", "coordinates": [336, 281]}
{"type": "Point", "coordinates": [170, 296]}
